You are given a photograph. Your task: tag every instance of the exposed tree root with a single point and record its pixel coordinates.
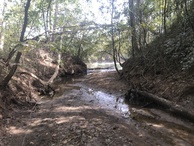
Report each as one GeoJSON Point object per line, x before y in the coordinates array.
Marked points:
{"type": "Point", "coordinates": [47, 88]}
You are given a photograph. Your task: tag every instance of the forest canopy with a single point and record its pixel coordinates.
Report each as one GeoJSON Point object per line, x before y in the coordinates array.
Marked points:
{"type": "Point", "coordinates": [89, 29]}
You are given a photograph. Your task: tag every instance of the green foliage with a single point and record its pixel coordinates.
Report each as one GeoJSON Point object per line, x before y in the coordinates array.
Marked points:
{"type": "Point", "coordinates": [66, 24]}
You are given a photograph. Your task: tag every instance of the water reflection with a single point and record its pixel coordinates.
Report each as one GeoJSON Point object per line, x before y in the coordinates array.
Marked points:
{"type": "Point", "coordinates": [74, 86]}
{"type": "Point", "coordinates": [107, 100]}
{"type": "Point", "coordinates": [154, 119]}
{"type": "Point", "coordinates": [102, 67]}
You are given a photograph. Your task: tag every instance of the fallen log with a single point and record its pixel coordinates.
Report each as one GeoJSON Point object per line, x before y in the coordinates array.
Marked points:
{"type": "Point", "coordinates": [47, 88]}
{"type": "Point", "coordinates": [168, 105]}
{"type": "Point", "coordinates": [34, 76]}
{"type": "Point", "coordinates": [99, 68]}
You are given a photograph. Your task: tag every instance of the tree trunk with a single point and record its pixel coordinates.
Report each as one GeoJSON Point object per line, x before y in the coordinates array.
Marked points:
{"type": "Point", "coordinates": [79, 51]}
{"type": "Point", "coordinates": [46, 85]}
{"type": "Point", "coordinates": [56, 71]}
{"type": "Point", "coordinates": [133, 29]}
{"type": "Point", "coordinates": [2, 27]}
{"type": "Point", "coordinates": [45, 25]}
{"type": "Point", "coordinates": [112, 37]}
{"type": "Point", "coordinates": [55, 20]}
{"type": "Point", "coordinates": [25, 21]}
{"type": "Point", "coordinates": [164, 15]}
{"type": "Point", "coordinates": [14, 67]}
{"type": "Point", "coordinates": [46, 19]}
{"type": "Point", "coordinates": [139, 12]}
{"type": "Point", "coordinates": [189, 17]}
{"type": "Point", "coordinates": [169, 106]}
{"type": "Point", "coordinates": [47, 16]}
{"type": "Point", "coordinates": [11, 53]}
{"type": "Point", "coordinates": [12, 71]}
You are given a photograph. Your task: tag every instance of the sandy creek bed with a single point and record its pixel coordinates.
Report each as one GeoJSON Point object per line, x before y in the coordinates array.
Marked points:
{"type": "Point", "coordinates": [90, 111]}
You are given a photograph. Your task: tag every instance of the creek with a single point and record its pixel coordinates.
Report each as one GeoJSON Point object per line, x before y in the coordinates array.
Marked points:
{"type": "Point", "coordinates": [156, 121]}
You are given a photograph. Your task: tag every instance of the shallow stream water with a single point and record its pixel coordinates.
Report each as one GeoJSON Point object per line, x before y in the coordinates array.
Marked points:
{"type": "Point", "coordinates": [156, 121]}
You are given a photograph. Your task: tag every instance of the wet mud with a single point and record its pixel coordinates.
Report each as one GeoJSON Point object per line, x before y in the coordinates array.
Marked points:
{"type": "Point", "coordinates": [157, 121]}
{"type": "Point", "coordinates": [84, 113]}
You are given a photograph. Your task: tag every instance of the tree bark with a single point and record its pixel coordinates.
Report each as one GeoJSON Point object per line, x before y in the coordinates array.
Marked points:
{"type": "Point", "coordinates": [164, 15]}
{"type": "Point", "coordinates": [47, 16]}
{"type": "Point", "coordinates": [14, 67]}
{"type": "Point", "coordinates": [79, 51]}
{"type": "Point", "coordinates": [11, 53]}
{"type": "Point", "coordinates": [55, 19]}
{"type": "Point", "coordinates": [188, 16]}
{"type": "Point", "coordinates": [2, 37]}
{"type": "Point", "coordinates": [54, 75]}
{"type": "Point", "coordinates": [46, 85]}
{"type": "Point", "coordinates": [25, 21]}
{"type": "Point", "coordinates": [46, 19]}
{"type": "Point", "coordinates": [140, 35]}
{"type": "Point", "coordinates": [12, 71]}
{"type": "Point", "coordinates": [172, 107]}
{"type": "Point", "coordinates": [132, 25]}
{"type": "Point", "coordinates": [112, 37]}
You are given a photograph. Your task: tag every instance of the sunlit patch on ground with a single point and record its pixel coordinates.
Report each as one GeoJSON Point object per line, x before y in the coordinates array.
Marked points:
{"type": "Point", "coordinates": [15, 130]}
{"type": "Point", "coordinates": [86, 115]}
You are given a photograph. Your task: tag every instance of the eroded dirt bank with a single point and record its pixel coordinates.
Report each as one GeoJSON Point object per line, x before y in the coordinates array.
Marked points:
{"type": "Point", "coordinates": [90, 111]}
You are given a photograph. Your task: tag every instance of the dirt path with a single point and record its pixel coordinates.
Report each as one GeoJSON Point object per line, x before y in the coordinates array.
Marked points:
{"type": "Point", "coordinates": [90, 112]}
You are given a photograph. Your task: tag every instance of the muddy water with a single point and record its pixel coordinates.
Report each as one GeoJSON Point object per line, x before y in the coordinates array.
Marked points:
{"type": "Point", "coordinates": [102, 99]}
{"type": "Point", "coordinates": [155, 121]}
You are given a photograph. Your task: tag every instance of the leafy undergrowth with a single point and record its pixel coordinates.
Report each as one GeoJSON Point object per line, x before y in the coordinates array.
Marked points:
{"type": "Point", "coordinates": [165, 69]}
